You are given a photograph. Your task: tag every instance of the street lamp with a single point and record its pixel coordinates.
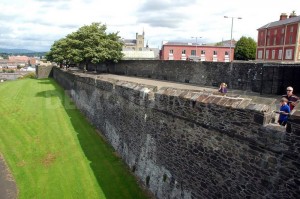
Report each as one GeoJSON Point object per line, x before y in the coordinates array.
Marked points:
{"type": "Point", "coordinates": [196, 43]}
{"type": "Point", "coordinates": [231, 33]}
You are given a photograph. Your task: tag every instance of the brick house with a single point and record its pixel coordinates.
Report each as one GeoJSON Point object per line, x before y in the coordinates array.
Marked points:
{"type": "Point", "coordinates": [279, 40]}
{"type": "Point", "coordinates": [193, 51]}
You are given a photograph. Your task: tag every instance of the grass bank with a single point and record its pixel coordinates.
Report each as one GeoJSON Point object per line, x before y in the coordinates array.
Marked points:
{"type": "Point", "coordinates": [51, 149]}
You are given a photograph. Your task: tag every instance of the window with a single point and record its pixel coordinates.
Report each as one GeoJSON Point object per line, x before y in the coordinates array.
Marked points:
{"type": "Point", "coordinates": [268, 41]}
{"type": "Point", "coordinates": [171, 52]}
{"type": "Point", "coordinates": [268, 32]}
{"type": "Point", "coordinates": [259, 54]}
{"type": "Point", "coordinates": [274, 41]}
{"type": "Point", "coordinates": [267, 54]}
{"type": "Point", "coordinates": [275, 32]}
{"type": "Point", "coordinates": [215, 52]}
{"type": "Point", "coordinates": [292, 29]}
{"type": "Point", "coordinates": [280, 54]}
{"type": "Point", "coordinates": [291, 39]}
{"type": "Point", "coordinates": [202, 52]}
{"type": "Point", "coordinates": [273, 54]}
{"type": "Point", "coordinates": [183, 52]}
{"type": "Point", "coordinates": [282, 31]}
{"type": "Point", "coordinates": [193, 52]}
{"type": "Point", "coordinates": [226, 53]}
{"type": "Point", "coordinates": [288, 53]}
{"type": "Point", "coordinates": [281, 40]}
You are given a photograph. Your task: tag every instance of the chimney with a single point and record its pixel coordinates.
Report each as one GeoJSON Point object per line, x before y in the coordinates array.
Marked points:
{"type": "Point", "coordinates": [293, 14]}
{"type": "Point", "coordinates": [283, 16]}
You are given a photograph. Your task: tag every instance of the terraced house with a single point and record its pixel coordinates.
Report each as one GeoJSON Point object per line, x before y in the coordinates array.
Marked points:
{"type": "Point", "coordinates": [280, 40]}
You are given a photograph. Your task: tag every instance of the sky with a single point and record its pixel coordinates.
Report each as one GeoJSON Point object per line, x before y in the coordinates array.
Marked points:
{"type": "Point", "coordinates": [36, 24]}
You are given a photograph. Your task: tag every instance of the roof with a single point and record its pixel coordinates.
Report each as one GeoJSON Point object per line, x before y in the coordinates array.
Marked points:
{"type": "Point", "coordinates": [174, 43]}
{"type": "Point", "coordinates": [193, 44]}
{"type": "Point", "coordinates": [130, 41]}
{"type": "Point", "coordinates": [281, 22]}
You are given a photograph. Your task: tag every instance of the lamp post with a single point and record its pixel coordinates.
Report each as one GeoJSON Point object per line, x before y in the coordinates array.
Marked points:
{"type": "Point", "coordinates": [231, 33]}
{"type": "Point", "coordinates": [196, 43]}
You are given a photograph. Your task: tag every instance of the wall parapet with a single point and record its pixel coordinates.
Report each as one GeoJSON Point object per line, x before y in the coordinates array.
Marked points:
{"type": "Point", "coordinates": [191, 144]}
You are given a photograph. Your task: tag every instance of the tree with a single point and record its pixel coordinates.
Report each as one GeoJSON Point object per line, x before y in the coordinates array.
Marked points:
{"type": "Point", "coordinates": [245, 49]}
{"type": "Point", "coordinates": [89, 44]}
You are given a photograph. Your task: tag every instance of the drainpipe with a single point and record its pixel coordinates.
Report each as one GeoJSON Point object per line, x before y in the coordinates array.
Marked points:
{"type": "Point", "coordinates": [283, 43]}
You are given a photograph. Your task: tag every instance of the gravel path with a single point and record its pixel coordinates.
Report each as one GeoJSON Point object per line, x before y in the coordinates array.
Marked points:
{"type": "Point", "coordinates": [8, 188]}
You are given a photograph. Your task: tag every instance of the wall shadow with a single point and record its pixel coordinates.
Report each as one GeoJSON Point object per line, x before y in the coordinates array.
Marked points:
{"type": "Point", "coordinates": [112, 174]}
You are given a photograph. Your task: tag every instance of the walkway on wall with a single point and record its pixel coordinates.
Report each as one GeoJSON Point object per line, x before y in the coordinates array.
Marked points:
{"type": "Point", "coordinates": [256, 97]}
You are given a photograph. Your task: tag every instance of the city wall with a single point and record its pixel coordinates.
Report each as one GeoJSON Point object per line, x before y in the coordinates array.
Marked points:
{"type": "Point", "coordinates": [187, 144]}
{"type": "Point", "coordinates": [264, 78]}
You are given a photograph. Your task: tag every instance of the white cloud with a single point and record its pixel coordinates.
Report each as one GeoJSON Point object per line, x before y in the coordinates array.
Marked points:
{"type": "Point", "coordinates": [36, 24]}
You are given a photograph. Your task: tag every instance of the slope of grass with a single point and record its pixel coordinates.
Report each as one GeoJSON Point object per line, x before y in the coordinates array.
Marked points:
{"type": "Point", "coordinates": [52, 151]}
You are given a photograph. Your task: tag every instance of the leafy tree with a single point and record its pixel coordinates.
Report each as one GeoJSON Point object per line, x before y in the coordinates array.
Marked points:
{"type": "Point", "coordinates": [89, 44]}
{"type": "Point", "coordinates": [245, 49]}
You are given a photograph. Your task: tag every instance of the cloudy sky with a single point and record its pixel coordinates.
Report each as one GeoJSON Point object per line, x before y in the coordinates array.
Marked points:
{"type": "Point", "coordinates": [36, 24]}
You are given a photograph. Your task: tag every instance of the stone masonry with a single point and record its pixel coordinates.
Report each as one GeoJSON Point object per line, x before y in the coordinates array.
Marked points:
{"type": "Point", "coordinates": [191, 144]}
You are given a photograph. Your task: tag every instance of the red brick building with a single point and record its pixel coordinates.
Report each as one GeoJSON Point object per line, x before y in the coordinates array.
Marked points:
{"type": "Point", "coordinates": [279, 40]}
{"type": "Point", "coordinates": [193, 51]}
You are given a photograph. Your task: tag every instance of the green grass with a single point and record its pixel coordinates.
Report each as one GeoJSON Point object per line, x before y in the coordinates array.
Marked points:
{"type": "Point", "coordinates": [51, 149]}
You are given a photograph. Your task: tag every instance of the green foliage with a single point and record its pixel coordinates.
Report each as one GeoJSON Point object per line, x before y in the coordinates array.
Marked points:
{"type": "Point", "coordinates": [30, 75]}
{"type": "Point", "coordinates": [89, 44]}
{"type": "Point", "coordinates": [245, 49]}
{"type": "Point", "coordinates": [219, 44]}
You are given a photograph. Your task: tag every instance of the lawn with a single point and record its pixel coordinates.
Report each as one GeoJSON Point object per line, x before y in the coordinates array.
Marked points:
{"type": "Point", "coordinates": [51, 149]}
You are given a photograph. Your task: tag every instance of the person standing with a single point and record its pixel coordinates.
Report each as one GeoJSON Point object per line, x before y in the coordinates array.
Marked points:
{"type": "Point", "coordinates": [284, 112]}
{"type": "Point", "coordinates": [292, 99]}
{"type": "Point", "coordinates": [223, 88]}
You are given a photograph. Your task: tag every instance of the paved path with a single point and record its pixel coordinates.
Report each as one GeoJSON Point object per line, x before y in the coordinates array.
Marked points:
{"type": "Point", "coordinates": [256, 97]}
{"type": "Point", "coordinates": [8, 188]}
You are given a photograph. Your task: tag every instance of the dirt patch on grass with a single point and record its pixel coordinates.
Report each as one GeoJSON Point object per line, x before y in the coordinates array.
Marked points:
{"type": "Point", "coordinates": [8, 188]}
{"type": "Point", "coordinates": [49, 159]}
{"type": "Point", "coordinates": [21, 163]}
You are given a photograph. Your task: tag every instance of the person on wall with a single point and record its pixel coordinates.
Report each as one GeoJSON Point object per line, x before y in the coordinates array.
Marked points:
{"type": "Point", "coordinates": [223, 88]}
{"type": "Point", "coordinates": [284, 111]}
{"type": "Point", "coordinates": [292, 99]}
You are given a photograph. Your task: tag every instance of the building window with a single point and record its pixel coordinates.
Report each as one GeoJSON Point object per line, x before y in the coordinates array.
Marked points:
{"type": "Point", "coordinates": [215, 52]}
{"type": "Point", "coordinates": [280, 54]}
{"type": "Point", "coordinates": [275, 32]}
{"type": "Point", "coordinates": [292, 29]}
{"type": "Point", "coordinates": [259, 54]}
{"type": "Point", "coordinates": [202, 52]}
{"type": "Point", "coordinates": [171, 52]}
{"type": "Point", "coordinates": [183, 52]}
{"type": "Point", "coordinates": [267, 54]}
{"type": "Point", "coordinates": [226, 53]}
{"type": "Point", "coordinates": [291, 39]}
{"type": "Point", "coordinates": [288, 53]}
{"type": "Point", "coordinates": [268, 41]}
{"type": "Point", "coordinates": [282, 31]}
{"type": "Point", "coordinates": [274, 41]}
{"type": "Point", "coordinates": [268, 32]}
{"type": "Point", "coordinates": [193, 52]}
{"type": "Point", "coordinates": [273, 54]}
{"type": "Point", "coordinates": [281, 40]}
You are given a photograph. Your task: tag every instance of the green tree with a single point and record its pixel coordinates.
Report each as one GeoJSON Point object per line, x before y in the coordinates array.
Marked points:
{"type": "Point", "coordinates": [245, 49]}
{"type": "Point", "coordinates": [89, 44]}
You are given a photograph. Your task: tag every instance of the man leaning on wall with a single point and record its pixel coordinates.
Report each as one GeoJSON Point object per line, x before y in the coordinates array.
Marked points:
{"type": "Point", "coordinates": [292, 99]}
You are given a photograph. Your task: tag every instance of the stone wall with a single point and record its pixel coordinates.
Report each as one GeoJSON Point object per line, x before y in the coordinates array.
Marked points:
{"type": "Point", "coordinates": [43, 71]}
{"type": "Point", "coordinates": [13, 76]}
{"type": "Point", "coordinates": [186, 144]}
{"type": "Point", "coordinates": [267, 78]}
